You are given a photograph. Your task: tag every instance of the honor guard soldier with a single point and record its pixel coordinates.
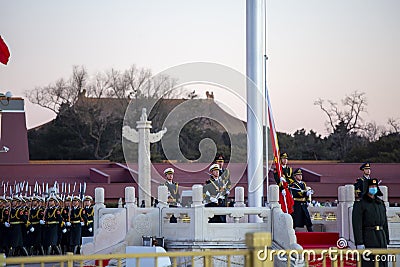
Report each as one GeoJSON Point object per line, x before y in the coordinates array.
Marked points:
{"type": "Point", "coordinates": [65, 214]}
{"type": "Point", "coordinates": [370, 224]}
{"type": "Point", "coordinates": [16, 223]}
{"type": "Point", "coordinates": [76, 222]}
{"type": "Point", "coordinates": [225, 175]}
{"type": "Point", "coordinates": [214, 193]}
{"type": "Point", "coordinates": [4, 213]}
{"type": "Point", "coordinates": [173, 188]}
{"type": "Point", "coordinates": [87, 229]}
{"type": "Point", "coordinates": [285, 197]}
{"type": "Point", "coordinates": [362, 182]}
{"type": "Point", "coordinates": [287, 171]}
{"type": "Point", "coordinates": [36, 214]}
{"type": "Point", "coordinates": [52, 221]}
{"type": "Point", "coordinates": [300, 193]}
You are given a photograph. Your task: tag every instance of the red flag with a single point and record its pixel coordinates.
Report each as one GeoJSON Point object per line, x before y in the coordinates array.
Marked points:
{"type": "Point", "coordinates": [4, 52]}
{"type": "Point", "coordinates": [285, 198]}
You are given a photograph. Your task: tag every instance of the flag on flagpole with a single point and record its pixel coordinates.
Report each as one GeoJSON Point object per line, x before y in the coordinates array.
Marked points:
{"type": "Point", "coordinates": [285, 198]}
{"type": "Point", "coordinates": [4, 52]}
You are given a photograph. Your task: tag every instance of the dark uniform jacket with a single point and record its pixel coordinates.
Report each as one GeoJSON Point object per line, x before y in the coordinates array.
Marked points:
{"type": "Point", "coordinates": [301, 216]}
{"type": "Point", "coordinates": [287, 173]}
{"type": "Point", "coordinates": [89, 212]}
{"type": "Point", "coordinates": [77, 216]}
{"type": "Point", "coordinates": [360, 185]}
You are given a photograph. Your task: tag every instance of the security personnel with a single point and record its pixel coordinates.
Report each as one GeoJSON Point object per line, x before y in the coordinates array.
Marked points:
{"type": "Point", "coordinates": [87, 229]}
{"type": "Point", "coordinates": [173, 188]}
{"type": "Point", "coordinates": [77, 220]}
{"type": "Point", "coordinates": [16, 223]}
{"type": "Point", "coordinates": [225, 175]}
{"type": "Point", "coordinates": [52, 221]}
{"type": "Point", "coordinates": [370, 225]}
{"type": "Point", "coordinates": [361, 183]}
{"type": "Point", "coordinates": [34, 237]}
{"type": "Point", "coordinates": [300, 193]}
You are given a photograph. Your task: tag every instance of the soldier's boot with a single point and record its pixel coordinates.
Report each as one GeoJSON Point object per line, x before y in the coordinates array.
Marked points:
{"type": "Point", "coordinates": [41, 250]}
{"type": "Point", "coordinates": [309, 228]}
{"type": "Point", "coordinates": [23, 251]}
{"type": "Point", "coordinates": [76, 250]}
{"type": "Point", "coordinates": [49, 250]}
{"type": "Point", "coordinates": [57, 250]}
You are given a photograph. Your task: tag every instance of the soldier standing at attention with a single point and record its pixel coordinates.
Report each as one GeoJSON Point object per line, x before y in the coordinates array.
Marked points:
{"type": "Point", "coordinates": [173, 190]}
{"type": "Point", "coordinates": [285, 198]}
{"type": "Point", "coordinates": [87, 229]}
{"type": "Point", "coordinates": [65, 214]}
{"type": "Point", "coordinates": [361, 183]}
{"type": "Point", "coordinates": [4, 213]}
{"type": "Point", "coordinates": [225, 175]}
{"type": "Point", "coordinates": [16, 223]}
{"type": "Point", "coordinates": [370, 225]}
{"type": "Point", "coordinates": [300, 193]}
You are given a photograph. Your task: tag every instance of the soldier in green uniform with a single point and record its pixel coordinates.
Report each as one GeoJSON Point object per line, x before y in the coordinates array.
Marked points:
{"type": "Point", "coordinates": [65, 214]}
{"type": "Point", "coordinates": [361, 183]}
{"type": "Point", "coordinates": [370, 225]}
{"type": "Point", "coordinates": [4, 212]}
{"type": "Point", "coordinates": [287, 171]}
{"type": "Point", "coordinates": [16, 223]}
{"type": "Point", "coordinates": [36, 214]}
{"type": "Point", "coordinates": [87, 229]}
{"type": "Point", "coordinates": [77, 219]}
{"type": "Point", "coordinates": [300, 193]}
{"type": "Point", "coordinates": [52, 221]}
{"type": "Point", "coordinates": [225, 175]}
{"type": "Point", "coordinates": [173, 188]}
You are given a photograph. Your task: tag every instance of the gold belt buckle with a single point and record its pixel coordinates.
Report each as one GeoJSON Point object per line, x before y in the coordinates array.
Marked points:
{"type": "Point", "coordinates": [377, 228]}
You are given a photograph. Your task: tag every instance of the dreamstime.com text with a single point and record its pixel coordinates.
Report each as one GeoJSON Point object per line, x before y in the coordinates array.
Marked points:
{"type": "Point", "coordinates": [334, 254]}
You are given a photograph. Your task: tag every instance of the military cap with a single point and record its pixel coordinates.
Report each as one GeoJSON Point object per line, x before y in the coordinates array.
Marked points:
{"type": "Point", "coordinates": [214, 167]}
{"type": "Point", "coordinates": [3, 199]}
{"type": "Point", "coordinates": [220, 158]}
{"type": "Point", "coordinates": [9, 198]}
{"type": "Point", "coordinates": [297, 172]}
{"type": "Point", "coordinates": [36, 198]}
{"type": "Point", "coordinates": [169, 171]}
{"type": "Point", "coordinates": [88, 198]}
{"type": "Point", "coordinates": [53, 198]}
{"type": "Point", "coordinates": [26, 199]}
{"type": "Point", "coordinates": [68, 198]}
{"type": "Point", "coordinates": [366, 165]}
{"type": "Point", "coordinates": [16, 198]}
{"type": "Point", "coordinates": [373, 182]}
{"type": "Point", "coordinates": [284, 155]}
{"type": "Point", "coordinates": [76, 198]}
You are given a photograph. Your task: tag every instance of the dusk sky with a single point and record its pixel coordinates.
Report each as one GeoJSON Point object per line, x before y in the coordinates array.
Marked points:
{"type": "Point", "coordinates": [317, 49]}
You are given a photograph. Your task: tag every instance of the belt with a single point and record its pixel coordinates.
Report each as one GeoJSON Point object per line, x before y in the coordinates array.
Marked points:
{"type": "Point", "coordinates": [16, 222]}
{"type": "Point", "coordinates": [299, 199]}
{"type": "Point", "coordinates": [89, 221]}
{"type": "Point", "coordinates": [75, 222]}
{"type": "Point", "coordinates": [53, 222]}
{"type": "Point", "coordinates": [34, 222]}
{"type": "Point", "coordinates": [376, 228]}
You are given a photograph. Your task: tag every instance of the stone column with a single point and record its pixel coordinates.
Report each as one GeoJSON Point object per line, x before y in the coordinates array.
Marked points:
{"type": "Point", "coordinates": [163, 196]}
{"type": "Point", "coordinates": [239, 197]}
{"type": "Point", "coordinates": [99, 204]}
{"type": "Point", "coordinates": [197, 195]}
{"type": "Point", "coordinates": [130, 197]}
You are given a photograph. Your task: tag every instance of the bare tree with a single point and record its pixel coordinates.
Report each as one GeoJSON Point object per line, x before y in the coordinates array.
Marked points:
{"type": "Point", "coordinates": [394, 124]}
{"type": "Point", "coordinates": [93, 107]}
{"type": "Point", "coordinates": [349, 115]}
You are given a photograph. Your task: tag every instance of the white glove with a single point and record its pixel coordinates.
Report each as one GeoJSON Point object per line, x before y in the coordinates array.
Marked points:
{"type": "Point", "coordinates": [360, 247]}
{"type": "Point", "coordinates": [7, 224]}
{"type": "Point", "coordinates": [213, 199]}
{"type": "Point", "coordinates": [309, 192]}
{"type": "Point", "coordinates": [42, 222]}
{"type": "Point", "coordinates": [283, 179]}
{"type": "Point", "coordinates": [68, 224]}
{"type": "Point", "coordinates": [90, 229]}
{"type": "Point", "coordinates": [64, 230]}
{"type": "Point", "coordinates": [228, 192]}
{"type": "Point", "coordinates": [32, 229]}
{"type": "Point", "coordinates": [82, 223]}
{"type": "Point", "coordinates": [283, 192]}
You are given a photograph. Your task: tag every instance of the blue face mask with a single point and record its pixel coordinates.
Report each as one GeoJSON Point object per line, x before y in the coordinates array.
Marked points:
{"type": "Point", "coordinates": [373, 190]}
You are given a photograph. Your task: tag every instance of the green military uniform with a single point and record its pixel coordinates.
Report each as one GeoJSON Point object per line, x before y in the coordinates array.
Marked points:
{"type": "Point", "coordinates": [35, 238]}
{"type": "Point", "coordinates": [370, 225]}
{"type": "Point", "coordinates": [77, 218]}
{"type": "Point", "coordinates": [362, 182]}
{"type": "Point", "coordinates": [173, 193]}
{"type": "Point", "coordinates": [87, 229]}
{"type": "Point", "coordinates": [53, 220]}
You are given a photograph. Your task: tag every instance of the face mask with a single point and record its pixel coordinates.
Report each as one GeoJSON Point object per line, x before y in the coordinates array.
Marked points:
{"type": "Point", "coordinates": [373, 190]}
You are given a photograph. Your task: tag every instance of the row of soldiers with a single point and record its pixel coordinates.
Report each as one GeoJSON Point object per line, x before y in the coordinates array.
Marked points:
{"type": "Point", "coordinates": [39, 226]}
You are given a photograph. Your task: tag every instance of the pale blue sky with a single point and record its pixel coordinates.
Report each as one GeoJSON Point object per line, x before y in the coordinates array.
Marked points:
{"type": "Point", "coordinates": [316, 48]}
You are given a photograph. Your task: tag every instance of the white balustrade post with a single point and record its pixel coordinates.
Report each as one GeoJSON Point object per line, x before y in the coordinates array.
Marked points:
{"type": "Point", "coordinates": [197, 195]}
{"type": "Point", "coordinates": [162, 196]}
{"type": "Point", "coordinates": [239, 197]}
{"type": "Point", "coordinates": [130, 198]}
{"type": "Point", "coordinates": [99, 204]}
